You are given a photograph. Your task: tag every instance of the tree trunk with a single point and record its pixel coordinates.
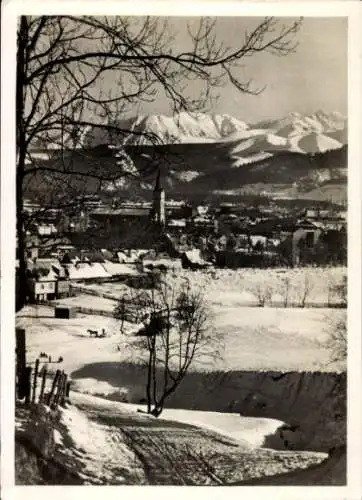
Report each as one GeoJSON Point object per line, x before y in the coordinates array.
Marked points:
{"type": "Point", "coordinates": [160, 404]}
{"type": "Point", "coordinates": [22, 286]}
{"type": "Point", "coordinates": [149, 381]}
{"type": "Point", "coordinates": [21, 282]}
{"type": "Point", "coordinates": [154, 381]}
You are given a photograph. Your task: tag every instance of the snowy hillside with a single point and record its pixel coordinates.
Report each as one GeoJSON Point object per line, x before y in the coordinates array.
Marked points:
{"type": "Point", "coordinates": [295, 133]}
{"type": "Point", "coordinates": [296, 124]}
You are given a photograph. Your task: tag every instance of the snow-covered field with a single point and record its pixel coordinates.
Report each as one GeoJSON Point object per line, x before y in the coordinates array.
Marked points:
{"type": "Point", "coordinates": [254, 339]}
{"type": "Point", "coordinates": [242, 287]}
{"type": "Point", "coordinates": [268, 338]}
{"type": "Point", "coordinates": [276, 339]}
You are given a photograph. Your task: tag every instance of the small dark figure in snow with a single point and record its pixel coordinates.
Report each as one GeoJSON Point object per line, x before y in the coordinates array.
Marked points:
{"type": "Point", "coordinates": [60, 359]}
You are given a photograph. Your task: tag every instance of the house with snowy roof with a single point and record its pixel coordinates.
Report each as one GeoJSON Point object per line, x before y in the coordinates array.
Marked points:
{"type": "Point", "coordinates": [81, 271]}
{"type": "Point", "coordinates": [120, 270]}
{"type": "Point", "coordinates": [42, 286]}
{"type": "Point", "coordinates": [47, 279]}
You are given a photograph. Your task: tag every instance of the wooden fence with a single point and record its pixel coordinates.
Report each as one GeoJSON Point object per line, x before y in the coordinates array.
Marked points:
{"type": "Point", "coordinates": [42, 386]}
{"type": "Point", "coordinates": [35, 383]}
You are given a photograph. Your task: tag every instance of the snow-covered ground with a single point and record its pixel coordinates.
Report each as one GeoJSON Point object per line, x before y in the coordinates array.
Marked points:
{"type": "Point", "coordinates": [241, 287]}
{"type": "Point", "coordinates": [115, 444]}
{"type": "Point", "coordinates": [248, 430]}
{"type": "Point", "coordinates": [98, 447]}
{"type": "Point", "coordinates": [68, 338]}
{"type": "Point", "coordinates": [254, 339]}
{"type": "Point", "coordinates": [276, 339]}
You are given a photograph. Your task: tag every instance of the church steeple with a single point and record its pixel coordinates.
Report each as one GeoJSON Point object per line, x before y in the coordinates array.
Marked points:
{"type": "Point", "coordinates": [158, 205]}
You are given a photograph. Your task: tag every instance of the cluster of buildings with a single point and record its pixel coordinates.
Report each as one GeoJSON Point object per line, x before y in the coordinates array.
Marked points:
{"type": "Point", "coordinates": [128, 240]}
{"type": "Point", "coordinates": [57, 277]}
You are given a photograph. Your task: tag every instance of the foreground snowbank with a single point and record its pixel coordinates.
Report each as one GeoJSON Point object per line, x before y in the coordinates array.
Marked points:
{"type": "Point", "coordinates": [115, 444]}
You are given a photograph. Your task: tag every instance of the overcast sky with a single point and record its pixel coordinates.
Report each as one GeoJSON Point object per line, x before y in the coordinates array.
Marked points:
{"type": "Point", "coordinates": [312, 78]}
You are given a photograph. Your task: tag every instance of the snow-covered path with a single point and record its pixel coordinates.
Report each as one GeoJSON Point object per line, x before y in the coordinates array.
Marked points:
{"type": "Point", "coordinates": [115, 444]}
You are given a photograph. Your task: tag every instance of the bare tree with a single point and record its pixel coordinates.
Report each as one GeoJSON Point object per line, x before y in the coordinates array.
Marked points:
{"type": "Point", "coordinates": [176, 333]}
{"type": "Point", "coordinates": [62, 62]}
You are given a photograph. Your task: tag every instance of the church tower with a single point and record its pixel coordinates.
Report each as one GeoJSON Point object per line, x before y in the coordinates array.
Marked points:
{"type": "Point", "coordinates": [158, 205]}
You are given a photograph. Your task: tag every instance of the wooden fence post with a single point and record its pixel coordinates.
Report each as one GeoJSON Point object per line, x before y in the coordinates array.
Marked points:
{"type": "Point", "coordinates": [59, 389]}
{"type": "Point", "coordinates": [64, 390]}
{"type": "Point", "coordinates": [55, 381]}
{"type": "Point", "coordinates": [43, 382]}
{"type": "Point", "coordinates": [35, 380]}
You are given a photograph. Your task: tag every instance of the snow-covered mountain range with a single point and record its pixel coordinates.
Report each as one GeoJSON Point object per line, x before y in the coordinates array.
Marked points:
{"type": "Point", "coordinates": [314, 133]}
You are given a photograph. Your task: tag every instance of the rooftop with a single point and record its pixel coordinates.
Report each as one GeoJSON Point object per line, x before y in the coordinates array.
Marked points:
{"type": "Point", "coordinates": [130, 212]}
